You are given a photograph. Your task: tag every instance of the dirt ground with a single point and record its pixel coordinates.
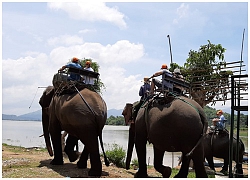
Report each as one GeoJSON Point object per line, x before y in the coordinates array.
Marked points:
{"type": "Point", "coordinates": [20, 162]}
{"type": "Point", "coordinates": [35, 163]}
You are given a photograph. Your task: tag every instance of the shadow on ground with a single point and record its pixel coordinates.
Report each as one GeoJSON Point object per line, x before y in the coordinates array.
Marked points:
{"type": "Point", "coordinates": [68, 170]}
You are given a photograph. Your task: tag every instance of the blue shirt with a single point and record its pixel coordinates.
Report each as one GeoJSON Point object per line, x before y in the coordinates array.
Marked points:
{"type": "Point", "coordinates": [74, 76]}
{"type": "Point", "coordinates": [143, 91]}
{"type": "Point", "coordinates": [221, 122]}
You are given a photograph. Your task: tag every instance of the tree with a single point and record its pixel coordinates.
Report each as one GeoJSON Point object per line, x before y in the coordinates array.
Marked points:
{"type": "Point", "coordinates": [118, 120]}
{"type": "Point", "coordinates": [204, 70]}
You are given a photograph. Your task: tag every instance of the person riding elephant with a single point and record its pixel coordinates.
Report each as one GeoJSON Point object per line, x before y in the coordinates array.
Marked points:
{"type": "Point", "coordinates": [74, 63]}
{"type": "Point", "coordinates": [177, 88]}
{"type": "Point", "coordinates": [143, 93]}
{"type": "Point", "coordinates": [83, 116]}
{"type": "Point", "coordinates": [217, 145]}
{"type": "Point", "coordinates": [87, 79]}
{"type": "Point", "coordinates": [174, 124]}
{"type": "Point", "coordinates": [155, 82]}
{"type": "Point", "coordinates": [219, 123]}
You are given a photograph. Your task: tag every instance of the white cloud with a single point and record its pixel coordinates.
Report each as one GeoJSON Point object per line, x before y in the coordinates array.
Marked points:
{"type": "Point", "coordinates": [22, 77]}
{"type": "Point", "coordinates": [91, 11]}
{"type": "Point", "coordinates": [84, 31]}
{"type": "Point", "coordinates": [122, 52]}
{"type": "Point", "coordinates": [182, 12]}
{"type": "Point", "coordinates": [65, 40]}
{"type": "Point", "coordinates": [190, 17]}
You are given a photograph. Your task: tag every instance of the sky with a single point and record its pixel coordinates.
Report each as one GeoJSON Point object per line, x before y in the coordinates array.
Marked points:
{"type": "Point", "coordinates": [128, 40]}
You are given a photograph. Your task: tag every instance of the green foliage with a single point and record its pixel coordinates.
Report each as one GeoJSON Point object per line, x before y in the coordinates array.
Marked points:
{"type": "Point", "coordinates": [135, 162]}
{"type": "Point", "coordinates": [173, 66]}
{"type": "Point", "coordinates": [117, 121]}
{"type": "Point", "coordinates": [191, 174]}
{"type": "Point", "coordinates": [116, 154]}
{"type": "Point", "coordinates": [203, 62]}
{"type": "Point", "coordinates": [211, 113]}
{"type": "Point", "coordinates": [95, 66]}
{"type": "Point", "coordinates": [203, 69]}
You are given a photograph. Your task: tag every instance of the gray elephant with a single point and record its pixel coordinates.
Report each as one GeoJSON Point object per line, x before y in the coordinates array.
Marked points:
{"type": "Point", "coordinates": [83, 116]}
{"type": "Point", "coordinates": [216, 144]}
{"type": "Point", "coordinates": [175, 124]}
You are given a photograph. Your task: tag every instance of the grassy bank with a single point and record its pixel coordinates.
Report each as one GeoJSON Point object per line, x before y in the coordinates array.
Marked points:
{"type": "Point", "coordinates": [20, 162]}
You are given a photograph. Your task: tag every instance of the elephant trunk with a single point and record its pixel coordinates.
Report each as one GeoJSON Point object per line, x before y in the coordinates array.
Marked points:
{"type": "Point", "coordinates": [131, 142]}
{"type": "Point", "coordinates": [45, 122]}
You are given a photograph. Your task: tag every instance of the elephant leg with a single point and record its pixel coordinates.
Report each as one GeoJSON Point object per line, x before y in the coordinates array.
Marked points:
{"type": "Point", "coordinates": [239, 170]}
{"type": "Point", "coordinates": [158, 163]}
{"type": "Point", "coordinates": [71, 142]}
{"type": "Point", "coordinates": [82, 163]}
{"type": "Point", "coordinates": [131, 143]}
{"type": "Point", "coordinates": [92, 146]}
{"type": "Point", "coordinates": [226, 163]}
{"type": "Point", "coordinates": [183, 172]}
{"type": "Point", "coordinates": [55, 132]}
{"type": "Point", "coordinates": [210, 161]}
{"type": "Point", "coordinates": [140, 145]}
{"type": "Point", "coordinates": [96, 166]}
{"type": "Point", "coordinates": [198, 160]}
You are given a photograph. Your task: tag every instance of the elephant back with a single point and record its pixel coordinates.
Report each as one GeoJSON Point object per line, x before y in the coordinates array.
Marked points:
{"type": "Point", "coordinates": [85, 104]}
{"type": "Point", "coordinates": [181, 118]}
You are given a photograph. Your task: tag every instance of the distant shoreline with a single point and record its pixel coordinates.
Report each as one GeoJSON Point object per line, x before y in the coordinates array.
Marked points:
{"type": "Point", "coordinates": [19, 120]}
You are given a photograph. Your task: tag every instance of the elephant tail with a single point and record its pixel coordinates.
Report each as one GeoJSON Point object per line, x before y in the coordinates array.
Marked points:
{"type": "Point", "coordinates": [105, 157]}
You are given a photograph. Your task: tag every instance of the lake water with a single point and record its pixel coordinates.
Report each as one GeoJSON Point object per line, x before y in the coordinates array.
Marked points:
{"type": "Point", "coordinates": [26, 134]}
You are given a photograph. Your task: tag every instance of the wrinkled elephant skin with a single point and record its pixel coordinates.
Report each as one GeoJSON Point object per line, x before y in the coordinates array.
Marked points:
{"type": "Point", "coordinates": [178, 126]}
{"type": "Point", "coordinates": [70, 113]}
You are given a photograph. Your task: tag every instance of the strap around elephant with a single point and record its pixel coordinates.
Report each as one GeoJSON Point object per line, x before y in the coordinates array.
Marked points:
{"type": "Point", "coordinates": [84, 101]}
{"type": "Point", "coordinates": [177, 97]}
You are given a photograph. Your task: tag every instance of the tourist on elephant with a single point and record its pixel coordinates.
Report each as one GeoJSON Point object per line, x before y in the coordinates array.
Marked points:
{"type": "Point", "coordinates": [144, 93]}
{"type": "Point", "coordinates": [87, 79]}
{"type": "Point", "coordinates": [74, 64]}
{"type": "Point", "coordinates": [155, 82]}
{"type": "Point", "coordinates": [219, 123]}
{"type": "Point", "coordinates": [177, 88]}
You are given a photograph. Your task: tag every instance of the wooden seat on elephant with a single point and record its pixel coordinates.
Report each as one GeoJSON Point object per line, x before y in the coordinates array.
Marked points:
{"type": "Point", "coordinates": [64, 85]}
{"type": "Point", "coordinates": [84, 72]}
{"type": "Point", "coordinates": [168, 84]}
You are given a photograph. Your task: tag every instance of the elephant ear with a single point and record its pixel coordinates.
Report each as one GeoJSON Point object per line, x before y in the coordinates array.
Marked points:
{"type": "Point", "coordinates": [49, 90]}
{"type": "Point", "coordinates": [46, 97]}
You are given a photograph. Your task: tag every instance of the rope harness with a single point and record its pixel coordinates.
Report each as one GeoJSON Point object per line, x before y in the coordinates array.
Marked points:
{"type": "Point", "coordinates": [67, 88]}
{"type": "Point", "coordinates": [173, 96]}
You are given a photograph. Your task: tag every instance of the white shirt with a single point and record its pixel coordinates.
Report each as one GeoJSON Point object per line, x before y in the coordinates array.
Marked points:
{"type": "Point", "coordinates": [87, 79]}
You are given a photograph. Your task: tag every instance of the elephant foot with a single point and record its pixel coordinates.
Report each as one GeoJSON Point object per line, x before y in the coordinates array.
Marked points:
{"type": "Point", "coordinates": [166, 172]}
{"type": "Point", "coordinates": [56, 162]}
{"type": "Point", "coordinates": [224, 172]}
{"type": "Point", "coordinates": [94, 173]}
{"type": "Point", "coordinates": [72, 155]}
{"type": "Point", "coordinates": [140, 175]}
{"type": "Point", "coordinates": [82, 165]}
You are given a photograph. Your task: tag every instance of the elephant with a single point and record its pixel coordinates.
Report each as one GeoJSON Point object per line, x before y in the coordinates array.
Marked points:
{"type": "Point", "coordinates": [216, 144]}
{"type": "Point", "coordinates": [173, 124]}
{"type": "Point", "coordinates": [128, 117]}
{"type": "Point", "coordinates": [83, 115]}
